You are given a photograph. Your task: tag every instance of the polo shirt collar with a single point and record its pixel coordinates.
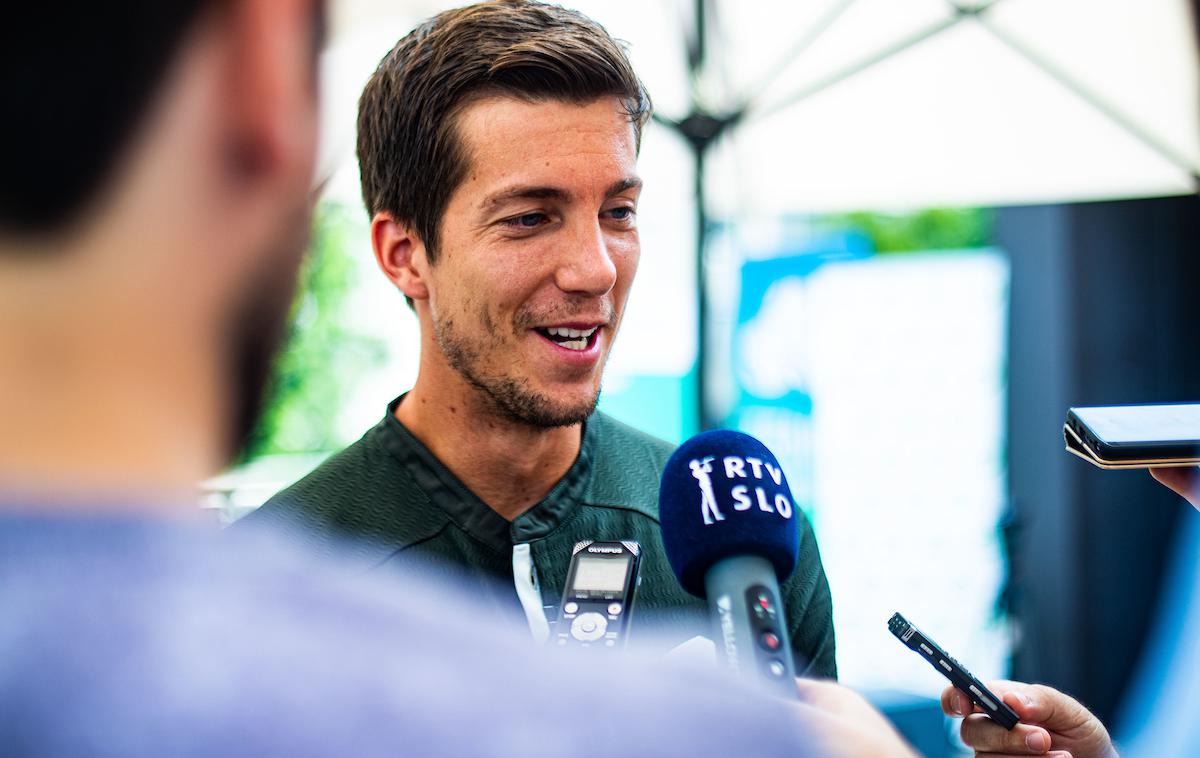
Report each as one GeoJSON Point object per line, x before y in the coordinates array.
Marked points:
{"type": "Point", "coordinates": [464, 508]}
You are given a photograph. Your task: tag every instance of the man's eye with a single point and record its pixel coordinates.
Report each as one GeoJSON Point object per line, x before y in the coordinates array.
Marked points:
{"type": "Point", "coordinates": [527, 220]}
{"type": "Point", "coordinates": [622, 213]}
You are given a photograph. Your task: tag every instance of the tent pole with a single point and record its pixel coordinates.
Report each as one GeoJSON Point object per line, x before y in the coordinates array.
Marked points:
{"type": "Point", "coordinates": [703, 416]}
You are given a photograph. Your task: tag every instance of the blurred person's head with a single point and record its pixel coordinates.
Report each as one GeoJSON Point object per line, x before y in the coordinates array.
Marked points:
{"type": "Point", "coordinates": [154, 204]}
{"type": "Point", "coordinates": [498, 145]}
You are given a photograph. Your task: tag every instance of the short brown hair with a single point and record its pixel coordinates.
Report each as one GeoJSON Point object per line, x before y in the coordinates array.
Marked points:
{"type": "Point", "coordinates": [410, 155]}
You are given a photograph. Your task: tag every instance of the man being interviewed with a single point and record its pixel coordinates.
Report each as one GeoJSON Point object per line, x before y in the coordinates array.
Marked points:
{"type": "Point", "coordinates": [498, 147]}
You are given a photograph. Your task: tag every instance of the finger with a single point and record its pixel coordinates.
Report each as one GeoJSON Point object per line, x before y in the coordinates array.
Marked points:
{"type": "Point", "coordinates": [1051, 754]}
{"type": "Point", "coordinates": [1039, 704]}
{"type": "Point", "coordinates": [955, 702]}
{"type": "Point", "coordinates": [982, 734]}
{"type": "Point", "coordinates": [1177, 479]}
{"type": "Point", "coordinates": [815, 691]}
{"type": "Point", "coordinates": [1184, 481]}
{"type": "Point", "coordinates": [964, 705]}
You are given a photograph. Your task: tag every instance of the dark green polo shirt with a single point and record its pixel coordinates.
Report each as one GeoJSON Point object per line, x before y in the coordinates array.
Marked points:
{"type": "Point", "coordinates": [401, 505]}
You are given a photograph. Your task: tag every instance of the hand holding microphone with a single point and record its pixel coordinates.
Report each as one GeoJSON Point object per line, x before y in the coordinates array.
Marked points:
{"type": "Point", "coordinates": [731, 537]}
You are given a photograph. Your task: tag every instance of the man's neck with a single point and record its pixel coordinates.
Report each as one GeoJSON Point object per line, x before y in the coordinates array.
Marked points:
{"type": "Point", "coordinates": [508, 465]}
{"type": "Point", "coordinates": [87, 422]}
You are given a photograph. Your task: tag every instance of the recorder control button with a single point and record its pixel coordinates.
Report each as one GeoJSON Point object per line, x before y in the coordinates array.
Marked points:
{"type": "Point", "coordinates": [769, 640]}
{"type": "Point", "coordinates": [776, 669]}
{"type": "Point", "coordinates": [983, 698]}
{"type": "Point", "coordinates": [614, 609]}
{"type": "Point", "coordinates": [588, 627]}
{"type": "Point", "coordinates": [570, 607]}
{"type": "Point", "coordinates": [762, 606]}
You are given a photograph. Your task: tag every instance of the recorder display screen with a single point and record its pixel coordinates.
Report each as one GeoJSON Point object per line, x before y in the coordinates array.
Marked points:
{"type": "Point", "coordinates": [600, 574]}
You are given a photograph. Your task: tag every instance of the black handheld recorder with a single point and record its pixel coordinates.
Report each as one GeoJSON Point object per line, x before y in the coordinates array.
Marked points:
{"type": "Point", "coordinates": [598, 598]}
{"type": "Point", "coordinates": [953, 670]}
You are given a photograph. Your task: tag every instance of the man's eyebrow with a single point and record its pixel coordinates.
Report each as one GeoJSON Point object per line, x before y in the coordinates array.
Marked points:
{"type": "Point", "coordinates": [523, 193]}
{"type": "Point", "coordinates": [535, 192]}
{"type": "Point", "coordinates": [628, 183]}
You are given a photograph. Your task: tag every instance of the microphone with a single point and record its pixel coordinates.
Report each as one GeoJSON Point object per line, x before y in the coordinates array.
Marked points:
{"type": "Point", "coordinates": [730, 535]}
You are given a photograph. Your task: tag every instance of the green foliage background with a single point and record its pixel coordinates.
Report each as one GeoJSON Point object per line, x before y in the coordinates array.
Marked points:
{"type": "Point", "coordinates": [931, 229]}
{"type": "Point", "coordinates": [322, 357]}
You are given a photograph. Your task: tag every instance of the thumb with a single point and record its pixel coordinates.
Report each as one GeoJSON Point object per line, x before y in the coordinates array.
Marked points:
{"type": "Point", "coordinates": [1038, 704]}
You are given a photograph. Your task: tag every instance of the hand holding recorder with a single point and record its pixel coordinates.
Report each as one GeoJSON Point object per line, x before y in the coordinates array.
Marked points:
{"type": "Point", "coordinates": [1051, 723]}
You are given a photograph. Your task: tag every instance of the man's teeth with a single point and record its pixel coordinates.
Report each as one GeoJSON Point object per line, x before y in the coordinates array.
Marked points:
{"type": "Point", "coordinates": [562, 331]}
{"type": "Point", "coordinates": [572, 339]}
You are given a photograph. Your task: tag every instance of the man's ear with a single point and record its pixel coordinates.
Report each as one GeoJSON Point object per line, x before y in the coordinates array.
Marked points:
{"type": "Point", "coordinates": [400, 255]}
{"type": "Point", "coordinates": [272, 81]}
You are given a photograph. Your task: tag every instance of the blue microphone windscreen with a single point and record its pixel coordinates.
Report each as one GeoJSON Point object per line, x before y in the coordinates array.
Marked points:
{"type": "Point", "coordinates": [724, 494]}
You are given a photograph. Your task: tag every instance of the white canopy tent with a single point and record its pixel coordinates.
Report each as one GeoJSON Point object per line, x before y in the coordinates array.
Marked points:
{"type": "Point", "coordinates": [852, 104]}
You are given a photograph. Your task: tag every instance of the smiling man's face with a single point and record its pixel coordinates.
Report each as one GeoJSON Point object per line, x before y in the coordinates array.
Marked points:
{"type": "Point", "coordinates": [538, 248]}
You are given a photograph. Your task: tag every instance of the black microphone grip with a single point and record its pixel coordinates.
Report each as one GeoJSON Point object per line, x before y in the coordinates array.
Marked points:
{"type": "Point", "coordinates": [749, 623]}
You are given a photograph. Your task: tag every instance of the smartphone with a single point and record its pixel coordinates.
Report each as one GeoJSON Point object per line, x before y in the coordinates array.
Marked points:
{"type": "Point", "coordinates": [1135, 436]}
{"type": "Point", "coordinates": [918, 642]}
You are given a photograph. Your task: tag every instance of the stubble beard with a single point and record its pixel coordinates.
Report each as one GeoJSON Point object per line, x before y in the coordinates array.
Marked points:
{"type": "Point", "coordinates": [509, 397]}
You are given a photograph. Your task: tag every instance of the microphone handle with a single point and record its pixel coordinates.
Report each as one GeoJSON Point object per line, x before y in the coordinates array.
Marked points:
{"type": "Point", "coordinates": [749, 622]}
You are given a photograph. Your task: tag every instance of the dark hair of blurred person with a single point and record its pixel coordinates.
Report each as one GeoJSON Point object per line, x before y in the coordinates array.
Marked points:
{"type": "Point", "coordinates": [157, 160]}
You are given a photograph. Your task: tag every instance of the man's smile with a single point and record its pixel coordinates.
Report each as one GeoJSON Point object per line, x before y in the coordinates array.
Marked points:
{"type": "Point", "coordinates": [578, 337]}
{"type": "Point", "coordinates": [576, 345]}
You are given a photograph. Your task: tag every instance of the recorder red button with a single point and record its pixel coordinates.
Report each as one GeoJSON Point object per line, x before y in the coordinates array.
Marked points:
{"type": "Point", "coordinates": [770, 640]}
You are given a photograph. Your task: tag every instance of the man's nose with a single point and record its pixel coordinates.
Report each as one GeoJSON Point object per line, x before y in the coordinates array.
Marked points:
{"type": "Point", "coordinates": [586, 266]}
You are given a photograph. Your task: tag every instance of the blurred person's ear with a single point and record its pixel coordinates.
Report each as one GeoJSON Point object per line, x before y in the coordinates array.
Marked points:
{"type": "Point", "coordinates": [272, 89]}
{"type": "Point", "coordinates": [401, 255]}
{"type": "Point", "coordinates": [267, 125]}
{"type": "Point", "coordinates": [217, 185]}
{"type": "Point", "coordinates": [252, 88]}
{"type": "Point", "coordinates": [214, 203]}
